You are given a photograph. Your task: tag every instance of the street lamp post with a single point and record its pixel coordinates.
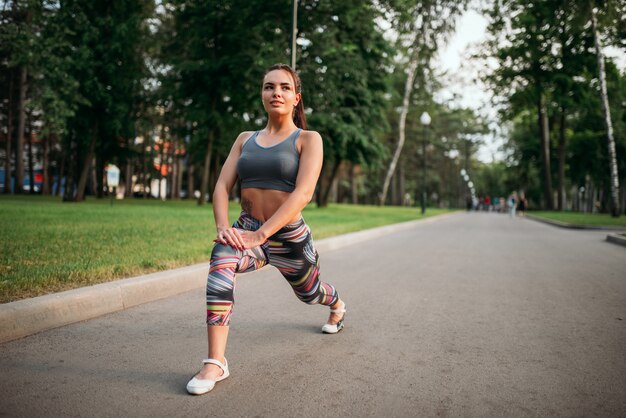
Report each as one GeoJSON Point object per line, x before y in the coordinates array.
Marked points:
{"type": "Point", "coordinates": [294, 32]}
{"type": "Point", "coordinates": [425, 120]}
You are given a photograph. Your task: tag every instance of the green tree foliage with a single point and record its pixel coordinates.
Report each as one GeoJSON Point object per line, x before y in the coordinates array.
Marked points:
{"type": "Point", "coordinates": [421, 27]}
{"type": "Point", "coordinates": [344, 65]}
{"type": "Point", "coordinates": [213, 54]}
{"type": "Point", "coordinates": [105, 38]}
{"type": "Point", "coordinates": [524, 35]}
{"type": "Point", "coordinates": [183, 77]}
{"type": "Point", "coordinates": [547, 76]}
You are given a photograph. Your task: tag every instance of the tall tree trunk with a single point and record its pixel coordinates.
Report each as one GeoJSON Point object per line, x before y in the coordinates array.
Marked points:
{"type": "Point", "coordinates": [171, 178]}
{"type": "Point", "coordinates": [94, 174]}
{"type": "Point", "coordinates": [160, 193]}
{"type": "Point", "coordinates": [542, 116]}
{"type": "Point", "coordinates": [129, 171]}
{"type": "Point", "coordinates": [323, 202]}
{"type": "Point", "coordinates": [215, 173]}
{"type": "Point", "coordinates": [204, 185]}
{"type": "Point", "coordinates": [401, 183]}
{"type": "Point", "coordinates": [99, 192]}
{"type": "Point", "coordinates": [408, 90]}
{"type": "Point", "coordinates": [190, 179]}
{"type": "Point", "coordinates": [561, 160]}
{"type": "Point", "coordinates": [21, 124]}
{"type": "Point", "coordinates": [354, 191]}
{"type": "Point", "coordinates": [179, 183]}
{"type": "Point", "coordinates": [84, 174]}
{"type": "Point", "coordinates": [45, 184]}
{"type": "Point", "coordinates": [393, 188]}
{"type": "Point", "coordinates": [7, 163]}
{"type": "Point", "coordinates": [31, 168]}
{"type": "Point", "coordinates": [319, 191]}
{"type": "Point", "coordinates": [57, 190]}
{"type": "Point", "coordinates": [622, 195]}
{"type": "Point", "coordinates": [69, 192]}
{"type": "Point", "coordinates": [615, 207]}
{"type": "Point", "coordinates": [144, 167]}
{"type": "Point", "coordinates": [173, 175]}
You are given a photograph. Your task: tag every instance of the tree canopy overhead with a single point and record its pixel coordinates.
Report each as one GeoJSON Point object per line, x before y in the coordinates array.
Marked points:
{"type": "Point", "coordinates": [162, 89]}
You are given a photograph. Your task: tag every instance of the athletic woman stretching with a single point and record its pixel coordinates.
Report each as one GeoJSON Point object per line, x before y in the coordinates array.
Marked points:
{"type": "Point", "coordinates": [278, 168]}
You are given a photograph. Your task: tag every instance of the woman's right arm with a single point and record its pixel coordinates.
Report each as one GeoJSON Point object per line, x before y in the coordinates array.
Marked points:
{"type": "Point", "coordinates": [225, 183]}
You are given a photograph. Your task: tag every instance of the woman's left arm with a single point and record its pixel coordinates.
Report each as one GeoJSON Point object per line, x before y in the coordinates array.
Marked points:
{"type": "Point", "coordinates": [311, 159]}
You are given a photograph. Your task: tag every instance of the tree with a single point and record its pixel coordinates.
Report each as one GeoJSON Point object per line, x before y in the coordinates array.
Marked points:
{"type": "Point", "coordinates": [211, 72]}
{"type": "Point", "coordinates": [17, 33]}
{"type": "Point", "coordinates": [108, 65]}
{"type": "Point", "coordinates": [343, 62]}
{"type": "Point", "coordinates": [544, 52]}
{"type": "Point", "coordinates": [615, 207]}
{"type": "Point", "coordinates": [522, 38]}
{"type": "Point", "coordinates": [425, 24]}
{"type": "Point", "coordinates": [54, 91]}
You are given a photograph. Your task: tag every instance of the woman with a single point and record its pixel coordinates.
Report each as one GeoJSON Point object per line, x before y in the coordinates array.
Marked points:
{"type": "Point", "coordinates": [278, 168]}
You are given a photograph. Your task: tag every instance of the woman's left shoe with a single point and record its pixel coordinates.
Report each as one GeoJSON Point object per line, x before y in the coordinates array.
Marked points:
{"type": "Point", "coordinates": [333, 329]}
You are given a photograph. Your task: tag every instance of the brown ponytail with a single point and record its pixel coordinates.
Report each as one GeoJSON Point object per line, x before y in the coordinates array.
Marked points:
{"type": "Point", "coordinates": [299, 117]}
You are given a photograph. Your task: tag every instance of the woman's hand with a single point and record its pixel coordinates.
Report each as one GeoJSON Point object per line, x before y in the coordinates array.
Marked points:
{"type": "Point", "coordinates": [231, 236]}
{"type": "Point", "coordinates": [239, 238]}
{"type": "Point", "coordinates": [252, 239]}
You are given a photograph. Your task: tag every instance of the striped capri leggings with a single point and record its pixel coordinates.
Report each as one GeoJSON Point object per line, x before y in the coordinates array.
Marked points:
{"type": "Point", "coordinates": [290, 250]}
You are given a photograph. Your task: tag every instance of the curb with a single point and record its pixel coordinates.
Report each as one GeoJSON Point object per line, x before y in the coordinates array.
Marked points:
{"type": "Point", "coordinates": [616, 239]}
{"type": "Point", "coordinates": [574, 226]}
{"type": "Point", "coordinates": [29, 316]}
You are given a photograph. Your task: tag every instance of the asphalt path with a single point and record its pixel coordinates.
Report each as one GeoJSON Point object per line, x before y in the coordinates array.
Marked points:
{"type": "Point", "coordinates": [472, 315]}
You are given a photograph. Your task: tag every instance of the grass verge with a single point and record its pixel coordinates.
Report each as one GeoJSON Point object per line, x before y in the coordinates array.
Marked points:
{"type": "Point", "coordinates": [49, 246]}
{"type": "Point", "coordinates": [584, 219]}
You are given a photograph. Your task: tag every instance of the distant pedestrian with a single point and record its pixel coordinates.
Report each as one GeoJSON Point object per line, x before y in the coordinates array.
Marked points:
{"type": "Point", "coordinates": [522, 204]}
{"type": "Point", "coordinates": [512, 204]}
{"type": "Point", "coordinates": [278, 167]}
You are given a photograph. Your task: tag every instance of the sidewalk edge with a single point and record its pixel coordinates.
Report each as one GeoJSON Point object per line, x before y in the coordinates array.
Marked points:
{"type": "Point", "coordinates": [30, 316]}
{"type": "Point", "coordinates": [616, 239]}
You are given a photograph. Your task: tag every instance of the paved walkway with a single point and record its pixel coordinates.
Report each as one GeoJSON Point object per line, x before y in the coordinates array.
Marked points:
{"type": "Point", "coordinates": [472, 315]}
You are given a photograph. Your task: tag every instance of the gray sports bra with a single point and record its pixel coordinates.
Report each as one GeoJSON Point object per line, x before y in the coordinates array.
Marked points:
{"type": "Point", "coordinates": [274, 167]}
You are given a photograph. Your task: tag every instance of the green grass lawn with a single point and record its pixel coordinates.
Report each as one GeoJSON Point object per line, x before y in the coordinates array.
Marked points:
{"type": "Point", "coordinates": [576, 218]}
{"type": "Point", "coordinates": [49, 246]}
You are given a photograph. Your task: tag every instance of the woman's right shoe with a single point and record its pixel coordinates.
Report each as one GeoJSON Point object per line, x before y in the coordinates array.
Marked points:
{"type": "Point", "coordinates": [333, 329]}
{"type": "Point", "coordinates": [201, 386]}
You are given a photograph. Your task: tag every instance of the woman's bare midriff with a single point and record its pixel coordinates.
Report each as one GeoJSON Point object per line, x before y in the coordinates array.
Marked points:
{"type": "Point", "coordinates": [263, 203]}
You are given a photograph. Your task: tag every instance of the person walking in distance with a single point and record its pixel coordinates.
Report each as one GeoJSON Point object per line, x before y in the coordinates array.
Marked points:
{"type": "Point", "coordinates": [278, 168]}
{"type": "Point", "coordinates": [512, 203]}
{"type": "Point", "coordinates": [522, 204]}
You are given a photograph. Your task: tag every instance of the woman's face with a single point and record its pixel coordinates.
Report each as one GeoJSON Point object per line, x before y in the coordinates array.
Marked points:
{"type": "Point", "coordinates": [279, 93]}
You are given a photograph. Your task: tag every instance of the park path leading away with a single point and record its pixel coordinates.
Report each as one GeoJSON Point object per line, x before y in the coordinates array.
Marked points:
{"type": "Point", "coordinates": [473, 315]}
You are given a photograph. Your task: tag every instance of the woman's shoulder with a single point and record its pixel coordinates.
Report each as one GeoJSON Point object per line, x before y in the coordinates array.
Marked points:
{"type": "Point", "coordinates": [309, 140]}
{"type": "Point", "coordinates": [310, 135]}
{"type": "Point", "coordinates": [243, 137]}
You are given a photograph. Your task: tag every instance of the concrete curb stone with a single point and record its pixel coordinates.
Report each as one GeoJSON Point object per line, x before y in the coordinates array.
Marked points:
{"type": "Point", "coordinates": [613, 238]}
{"type": "Point", "coordinates": [29, 316]}
{"type": "Point", "coordinates": [616, 239]}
